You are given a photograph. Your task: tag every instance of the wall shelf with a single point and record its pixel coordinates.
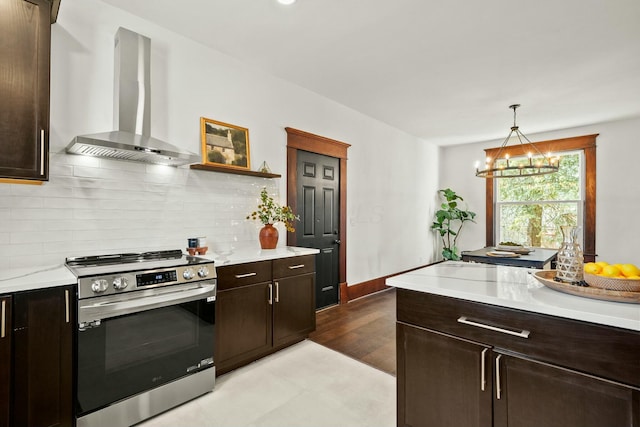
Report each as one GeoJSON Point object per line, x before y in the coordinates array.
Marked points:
{"type": "Point", "coordinates": [213, 168]}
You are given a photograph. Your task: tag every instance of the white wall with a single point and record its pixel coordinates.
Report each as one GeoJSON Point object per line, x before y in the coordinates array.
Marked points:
{"type": "Point", "coordinates": [103, 206]}
{"type": "Point", "coordinates": [617, 186]}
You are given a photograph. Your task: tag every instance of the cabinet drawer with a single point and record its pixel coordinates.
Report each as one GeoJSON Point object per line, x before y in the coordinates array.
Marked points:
{"type": "Point", "coordinates": [597, 349]}
{"type": "Point", "coordinates": [285, 267]}
{"type": "Point", "coordinates": [233, 276]}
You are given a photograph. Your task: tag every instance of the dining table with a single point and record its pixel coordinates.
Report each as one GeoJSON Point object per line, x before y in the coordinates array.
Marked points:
{"type": "Point", "coordinates": [540, 258]}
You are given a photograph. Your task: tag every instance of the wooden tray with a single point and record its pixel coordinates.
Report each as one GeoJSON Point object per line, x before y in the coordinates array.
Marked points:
{"type": "Point", "coordinates": [546, 278]}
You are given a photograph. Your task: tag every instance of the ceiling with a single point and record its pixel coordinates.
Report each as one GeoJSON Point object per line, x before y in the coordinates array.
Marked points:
{"type": "Point", "coordinates": [443, 71]}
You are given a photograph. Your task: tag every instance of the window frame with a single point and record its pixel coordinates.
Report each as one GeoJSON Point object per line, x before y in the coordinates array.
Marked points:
{"type": "Point", "coordinates": [586, 143]}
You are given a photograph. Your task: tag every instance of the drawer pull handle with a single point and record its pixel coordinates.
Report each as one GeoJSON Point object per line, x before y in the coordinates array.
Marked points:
{"type": "Point", "coordinates": [42, 153]}
{"type": "Point", "coordinates": [277, 292]}
{"type": "Point", "coordinates": [483, 379]}
{"type": "Point", "coordinates": [4, 315]}
{"type": "Point", "coordinates": [293, 267]}
{"type": "Point", "coordinates": [66, 305]}
{"type": "Point", "coordinates": [522, 334]}
{"type": "Point", "coordinates": [242, 276]}
{"type": "Point", "coordinates": [498, 389]}
{"type": "Point", "coordinates": [270, 294]}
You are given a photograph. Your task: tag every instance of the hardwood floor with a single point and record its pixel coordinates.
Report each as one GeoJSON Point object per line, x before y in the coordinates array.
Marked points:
{"type": "Point", "coordinates": [364, 329]}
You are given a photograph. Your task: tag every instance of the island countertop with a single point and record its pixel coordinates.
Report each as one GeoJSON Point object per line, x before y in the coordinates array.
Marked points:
{"type": "Point", "coordinates": [514, 287]}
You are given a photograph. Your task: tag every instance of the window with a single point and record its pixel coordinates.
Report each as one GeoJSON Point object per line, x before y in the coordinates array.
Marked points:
{"type": "Point", "coordinates": [530, 210]}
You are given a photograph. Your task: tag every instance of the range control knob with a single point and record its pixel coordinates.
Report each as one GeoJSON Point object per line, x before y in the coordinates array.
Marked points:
{"type": "Point", "coordinates": [188, 273]}
{"type": "Point", "coordinates": [120, 283]}
{"type": "Point", "coordinates": [203, 272]}
{"type": "Point", "coordinates": [99, 286]}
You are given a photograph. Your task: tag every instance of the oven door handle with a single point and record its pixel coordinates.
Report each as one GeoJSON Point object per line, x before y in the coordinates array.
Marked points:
{"type": "Point", "coordinates": [105, 310]}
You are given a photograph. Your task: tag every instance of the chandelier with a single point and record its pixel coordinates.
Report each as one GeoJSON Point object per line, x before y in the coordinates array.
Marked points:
{"type": "Point", "coordinates": [535, 163]}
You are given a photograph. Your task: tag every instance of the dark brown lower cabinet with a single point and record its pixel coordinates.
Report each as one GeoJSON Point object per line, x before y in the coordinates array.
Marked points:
{"type": "Point", "coordinates": [243, 325]}
{"type": "Point", "coordinates": [462, 363]}
{"type": "Point", "coordinates": [6, 335]}
{"type": "Point", "coordinates": [257, 314]}
{"type": "Point", "coordinates": [440, 380]}
{"type": "Point", "coordinates": [42, 357]}
{"type": "Point", "coordinates": [294, 311]}
{"type": "Point", "coordinates": [535, 394]}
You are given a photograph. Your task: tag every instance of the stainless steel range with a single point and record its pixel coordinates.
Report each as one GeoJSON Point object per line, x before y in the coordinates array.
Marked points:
{"type": "Point", "coordinates": [146, 325]}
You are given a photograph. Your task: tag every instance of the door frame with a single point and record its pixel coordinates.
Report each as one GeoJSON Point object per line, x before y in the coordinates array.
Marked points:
{"type": "Point", "coordinates": [301, 140]}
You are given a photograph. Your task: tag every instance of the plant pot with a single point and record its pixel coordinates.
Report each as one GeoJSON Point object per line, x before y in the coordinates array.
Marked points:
{"type": "Point", "coordinates": [268, 237]}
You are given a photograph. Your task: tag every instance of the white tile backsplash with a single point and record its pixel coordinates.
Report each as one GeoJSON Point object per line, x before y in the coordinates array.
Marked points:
{"type": "Point", "coordinates": [92, 206]}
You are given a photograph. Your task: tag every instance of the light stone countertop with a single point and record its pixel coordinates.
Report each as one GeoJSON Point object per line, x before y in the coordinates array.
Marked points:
{"type": "Point", "coordinates": [252, 254]}
{"type": "Point", "coordinates": [25, 279]}
{"type": "Point", "coordinates": [514, 287]}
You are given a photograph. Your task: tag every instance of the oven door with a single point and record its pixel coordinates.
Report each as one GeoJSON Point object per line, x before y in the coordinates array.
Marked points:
{"type": "Point", "coordinates": [165, 338]}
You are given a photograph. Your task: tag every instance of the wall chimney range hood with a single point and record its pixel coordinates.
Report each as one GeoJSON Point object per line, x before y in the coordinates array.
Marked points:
{"type": "Point", "coordinates": [132, 118]}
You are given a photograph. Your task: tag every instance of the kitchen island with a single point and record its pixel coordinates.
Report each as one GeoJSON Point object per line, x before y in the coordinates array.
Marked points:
{"type": "Point", "coordinates": [487, 345]}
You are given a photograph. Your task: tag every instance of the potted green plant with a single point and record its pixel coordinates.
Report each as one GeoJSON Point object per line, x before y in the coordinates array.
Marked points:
{"type": "Point", "coordinates": [269, 212]}
{"type": "Point", "coordinates": [449, 220]}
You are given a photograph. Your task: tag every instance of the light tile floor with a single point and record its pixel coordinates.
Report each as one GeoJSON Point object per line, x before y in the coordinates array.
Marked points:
{"type": "Point", "coordinates": [306, 385]}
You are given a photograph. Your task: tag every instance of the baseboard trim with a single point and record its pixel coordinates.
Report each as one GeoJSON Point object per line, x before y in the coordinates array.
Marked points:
{"type": "Point", "coordinates": [359, 290]}
{"type": "Point", "coordinates": [344, 293]}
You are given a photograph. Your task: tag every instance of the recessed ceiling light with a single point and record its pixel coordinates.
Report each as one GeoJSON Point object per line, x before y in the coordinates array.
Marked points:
{"type": "Point", "coordinates": [287, 2]}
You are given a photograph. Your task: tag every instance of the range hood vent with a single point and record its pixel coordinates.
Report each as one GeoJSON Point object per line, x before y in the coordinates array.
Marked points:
{"type": "Point", "coordinates": [132, 112]}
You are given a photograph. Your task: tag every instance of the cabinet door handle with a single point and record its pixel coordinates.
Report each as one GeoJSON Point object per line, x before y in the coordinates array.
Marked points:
{"type": "Point", "coordinates": [270, 294]}
{"type": "Point", "coordinates": [66, 305]}
{"type": "Point", "coordinates": [42, 151]}
{"type": "Point", "coordinates": [522, 334]}
{"type": "Point", "coordinates": [293, 267]}
{"type": "Point", "coordinates": [242, 276]}
{"type": "Point", "coordinates": [483, 378]}
{"type": "Point", "coordinates": [277, 292]}
{"type": "Point", "coordinates": [3, 326]}
{"type": "Point", "coordinates": [498, 389]}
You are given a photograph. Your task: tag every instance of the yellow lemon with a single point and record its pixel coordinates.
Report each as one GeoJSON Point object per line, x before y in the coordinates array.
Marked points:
{"type": "Point", "coordinates": [630, 270]}
{"type": "Point", "coordinates": [634, 277]}
{"type": "Point", "coordinates": [602, 264]}
{"type": "Point", "coordinates": [610, 271]}
{"type": "Point", "coordinates": [618, 266]}
{"type": "Point", "coordinates": [592, 268]}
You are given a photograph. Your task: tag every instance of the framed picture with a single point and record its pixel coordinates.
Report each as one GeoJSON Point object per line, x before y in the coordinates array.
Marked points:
{"type": "Point", "coordinates": [224, 144]}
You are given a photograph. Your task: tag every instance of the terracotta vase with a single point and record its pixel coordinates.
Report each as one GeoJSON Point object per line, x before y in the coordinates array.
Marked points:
{"type": "Point", "coordinates": [268, 237]}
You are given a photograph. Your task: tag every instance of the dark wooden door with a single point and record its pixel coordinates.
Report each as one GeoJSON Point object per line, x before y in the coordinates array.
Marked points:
{"type": "Point", "coordinates": [440, 380]}
{"type": "Point", "coordinates": [535, 394]}
{"type": "Point", "coordinates": [25, 33]}
{"type": "Point", "coordinates": [318, 181]}
{"type": "Point", "coordinates": [6, 332]}
{"type": "Point", "coordinates": [294, 312]}
{"type": "Point", "coordinates": [243, 325]}
{"type": "Point", "coordinates": [43, 362]}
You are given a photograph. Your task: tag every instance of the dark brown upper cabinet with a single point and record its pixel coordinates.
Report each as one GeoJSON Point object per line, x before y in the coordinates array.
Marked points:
{"type": "Point", "coordinates": [25, 46]}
